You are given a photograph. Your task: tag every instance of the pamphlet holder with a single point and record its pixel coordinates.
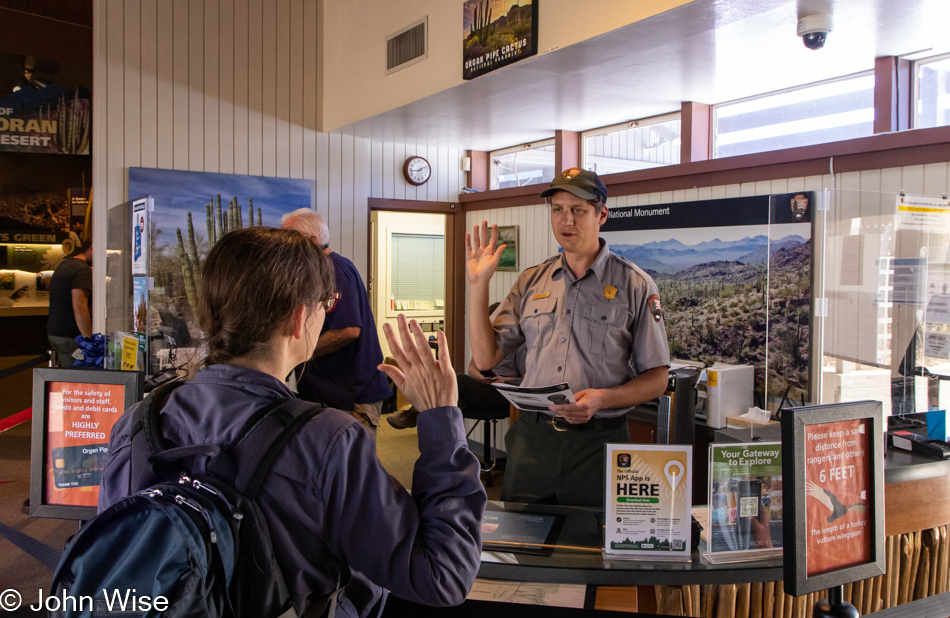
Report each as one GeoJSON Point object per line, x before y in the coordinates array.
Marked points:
{"type": "Point", "coordinates": [745, 511]}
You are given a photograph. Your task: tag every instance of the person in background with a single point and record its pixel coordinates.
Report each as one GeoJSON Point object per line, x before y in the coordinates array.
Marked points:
{"type": "Point", "coordinates": [343, 371]}
{"type": "Point", "coordinates": [70, 304]}
{"type": "Point", "coordinates": [587, 317]}
{"type": "Point", "coordinates": [330, 506]}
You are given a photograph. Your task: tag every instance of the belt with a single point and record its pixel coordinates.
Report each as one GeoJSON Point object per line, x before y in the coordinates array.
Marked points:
{"type": "Point", "coordinates": [561, 424]}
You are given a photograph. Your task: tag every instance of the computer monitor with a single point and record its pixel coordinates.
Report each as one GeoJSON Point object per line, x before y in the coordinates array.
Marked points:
{"type": "Point", "coordinates": [73, 414]}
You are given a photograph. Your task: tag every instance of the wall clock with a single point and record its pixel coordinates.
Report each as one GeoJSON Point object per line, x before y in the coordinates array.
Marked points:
{"type": "Point", "coordinates": [416, 170]}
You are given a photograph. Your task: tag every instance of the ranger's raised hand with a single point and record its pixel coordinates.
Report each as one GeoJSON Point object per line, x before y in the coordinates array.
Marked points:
{"type": "Point", "coordinates": [483, 253]}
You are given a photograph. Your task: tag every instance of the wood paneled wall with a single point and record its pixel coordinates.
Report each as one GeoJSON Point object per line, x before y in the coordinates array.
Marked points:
{"type": "Point", "coordinates": [231, 86]}
{"type": "Point", "coordinates": [386, 179]}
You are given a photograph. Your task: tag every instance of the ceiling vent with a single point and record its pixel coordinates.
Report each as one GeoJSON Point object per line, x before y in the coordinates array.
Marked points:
{"type": "Point", "coordinates": [407, 46]}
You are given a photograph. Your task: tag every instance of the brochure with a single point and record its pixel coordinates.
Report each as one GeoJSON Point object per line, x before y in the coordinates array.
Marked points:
{"type": "Point", "coordinates": [648, 500]}
{"type": "Point", "coordinates": [537, 398]}
{"type": "Point", "coordinates": [745, 501]}
{"type": "Point", "coordinates": [520, 532]}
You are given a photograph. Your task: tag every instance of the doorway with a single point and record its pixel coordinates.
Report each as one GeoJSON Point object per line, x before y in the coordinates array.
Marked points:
{"type": "Point", "coordinates": [407, 270]}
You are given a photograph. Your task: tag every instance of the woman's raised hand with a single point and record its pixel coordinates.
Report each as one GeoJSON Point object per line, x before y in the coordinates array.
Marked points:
{"type": "Point", "coordinates": [426, 382]}
{"type": "Point", "coordinates": [483, 254]}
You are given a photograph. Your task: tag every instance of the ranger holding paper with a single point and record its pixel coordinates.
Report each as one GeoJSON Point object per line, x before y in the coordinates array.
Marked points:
{"type": "Point", "coordinates": [587, 317]}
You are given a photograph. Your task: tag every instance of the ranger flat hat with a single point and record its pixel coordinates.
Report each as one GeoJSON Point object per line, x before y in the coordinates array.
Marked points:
{"type": "Point", "coordinates": [582, 183]}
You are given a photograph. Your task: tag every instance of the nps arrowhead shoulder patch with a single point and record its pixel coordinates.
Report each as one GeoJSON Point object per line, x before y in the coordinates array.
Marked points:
{"type": "Point", "coordinates": [655, 308]}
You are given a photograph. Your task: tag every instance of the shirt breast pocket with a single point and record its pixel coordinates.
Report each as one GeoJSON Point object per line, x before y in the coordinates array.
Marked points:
{"type": "Point", "coordinates": [605, 331]}
{"type": "Point", "coordinates": [538, 321]}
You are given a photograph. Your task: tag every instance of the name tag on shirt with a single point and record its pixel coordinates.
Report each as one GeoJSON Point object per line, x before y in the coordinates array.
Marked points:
{"type": "Point", "coordinates": [539, 296]}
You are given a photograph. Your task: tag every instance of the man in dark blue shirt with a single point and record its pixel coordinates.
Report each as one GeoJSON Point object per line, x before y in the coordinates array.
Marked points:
{"type": "Point", "coordinates": [343, 372]}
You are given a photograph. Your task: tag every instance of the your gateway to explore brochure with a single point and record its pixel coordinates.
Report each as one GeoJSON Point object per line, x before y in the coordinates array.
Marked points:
{"type": "Point", "coordinates": [745, 501]}
{"type": "Point", "coordinates": [648, 499]}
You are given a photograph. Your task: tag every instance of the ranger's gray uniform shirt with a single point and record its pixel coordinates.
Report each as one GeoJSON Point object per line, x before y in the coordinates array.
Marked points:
{"type": "Point", "coordinates": [594, 332]}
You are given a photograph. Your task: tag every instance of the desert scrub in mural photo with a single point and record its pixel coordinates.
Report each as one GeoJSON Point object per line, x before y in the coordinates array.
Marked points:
{"type": "Point", "coordinates": [726, 311]}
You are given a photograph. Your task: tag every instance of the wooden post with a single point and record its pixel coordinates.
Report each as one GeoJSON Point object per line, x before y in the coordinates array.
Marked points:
{"type": "Point", "coordinates": [768, 599]}
{"type": "Point", "coordinates": [742, 601]}
{"type": "Point", "coordinates": [726, 607]}
{"type": "Point", "coordinates": [755, 601]}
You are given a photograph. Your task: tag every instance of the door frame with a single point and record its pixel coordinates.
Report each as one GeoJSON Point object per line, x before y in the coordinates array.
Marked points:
{"type": "Point", "coordinates": [454, 264]}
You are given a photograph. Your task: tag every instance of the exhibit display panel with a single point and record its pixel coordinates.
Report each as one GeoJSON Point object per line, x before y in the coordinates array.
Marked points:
{"type": "Point", "coordinates": [736, 278]}
{"type": "Point", "coordinates": [882, 303]}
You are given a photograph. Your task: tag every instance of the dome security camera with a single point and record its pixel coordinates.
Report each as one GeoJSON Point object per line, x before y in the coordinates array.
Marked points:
{"type": "Point", "coordinates": [814, 30]}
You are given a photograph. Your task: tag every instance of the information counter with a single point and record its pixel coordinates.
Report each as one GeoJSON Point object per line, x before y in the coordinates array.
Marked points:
{"type": "Point", "coordinates": [917, 514]}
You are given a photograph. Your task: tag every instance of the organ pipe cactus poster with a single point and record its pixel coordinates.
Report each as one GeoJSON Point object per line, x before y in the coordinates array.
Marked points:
{"type": "Point", "coordinates": [193, 210]}
{"type": "Point", "coordinates": [496, 33]}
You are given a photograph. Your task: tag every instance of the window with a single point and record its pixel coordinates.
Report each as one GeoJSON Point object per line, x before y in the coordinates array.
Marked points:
{"type": "Point", "coordinates": [417, 272]}
{"type": "Point", "coordinates": [932, 88]}
{"type": "Point", "coordinates": [528, 164]}
{"type": "Point", "coordinates": [636, 145]}
{"type": "Point", "coordinates": [815, 114]}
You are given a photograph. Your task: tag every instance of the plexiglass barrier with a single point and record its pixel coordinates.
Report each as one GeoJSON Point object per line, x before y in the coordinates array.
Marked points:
{"type": "Point", "coordinates": [882, 269]}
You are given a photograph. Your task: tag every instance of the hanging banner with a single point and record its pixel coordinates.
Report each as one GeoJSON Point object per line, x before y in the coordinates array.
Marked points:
{"type": "Point", "coordinates": [496, 33]}
{"type": "Point", "coordinates": [51, 120]}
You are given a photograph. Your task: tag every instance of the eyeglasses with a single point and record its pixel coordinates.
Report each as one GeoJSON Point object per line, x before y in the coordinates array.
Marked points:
{"type": "Point", "coordinates": [330, 303]}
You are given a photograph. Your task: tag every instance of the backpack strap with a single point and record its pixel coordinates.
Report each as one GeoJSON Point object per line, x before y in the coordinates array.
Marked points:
{"type": "Point", "coordinates": [264, 437]}
{"type": "Point", "coordinates": [146, 437]}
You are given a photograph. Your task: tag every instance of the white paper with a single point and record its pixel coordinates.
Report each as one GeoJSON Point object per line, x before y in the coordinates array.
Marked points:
{"type": "Point", "coordinates": [536, 398]}
{"type": "Point", "coordinates": [555, 595]}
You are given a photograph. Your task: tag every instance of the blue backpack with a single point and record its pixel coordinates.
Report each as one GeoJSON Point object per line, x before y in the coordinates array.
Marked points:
{"type": "Point", "coordinates": [181, 544]}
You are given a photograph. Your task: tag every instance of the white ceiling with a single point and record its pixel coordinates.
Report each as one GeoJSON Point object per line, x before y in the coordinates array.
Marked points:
{"type": "Point", "coordinates": [707, 51]}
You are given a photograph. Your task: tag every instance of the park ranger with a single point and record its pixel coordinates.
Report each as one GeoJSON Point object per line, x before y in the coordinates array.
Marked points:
{"type": "Point", "coordinates": [587, 317]}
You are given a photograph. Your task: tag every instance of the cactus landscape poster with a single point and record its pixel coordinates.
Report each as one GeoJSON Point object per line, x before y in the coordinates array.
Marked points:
{"type": "Point", "coordinates": [192, 211]}
{"type": "Point", "coordinates": [496, 33]}
{"type": "Point", "coordinates": [735, 281]}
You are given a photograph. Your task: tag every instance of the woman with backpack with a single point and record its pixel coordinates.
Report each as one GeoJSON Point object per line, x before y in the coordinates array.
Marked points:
{"type": "Point", "coordinates": [330, 507]}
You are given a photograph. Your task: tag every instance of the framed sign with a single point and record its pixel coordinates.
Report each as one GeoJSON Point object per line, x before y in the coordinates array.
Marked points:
{"type": "Point", "coordinates": [508, 235]}
{"type": "Point", "coordinates": [73, 414]}
{"type": "Point", "coordinates": [834, 490]}
{"type": "Point", "coordinates": [497, 33]}
{"type": "Point", "coordinates": [647, 508]}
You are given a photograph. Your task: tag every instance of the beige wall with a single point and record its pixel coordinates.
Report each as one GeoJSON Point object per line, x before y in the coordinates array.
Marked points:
{"type": "Point", "coordinates": [355, 84]}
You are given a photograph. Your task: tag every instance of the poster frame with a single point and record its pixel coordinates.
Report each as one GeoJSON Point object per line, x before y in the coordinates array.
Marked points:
{"type": "Point", "coordinates": [133, 381]}
{"type": "Point", "coordinates": [795, 422]}
{"type": "Point", "coordinates": [474, 73]}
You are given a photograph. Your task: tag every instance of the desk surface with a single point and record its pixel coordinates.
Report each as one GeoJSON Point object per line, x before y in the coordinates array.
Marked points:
{"type": "Point", "coordinates": [581, 528]}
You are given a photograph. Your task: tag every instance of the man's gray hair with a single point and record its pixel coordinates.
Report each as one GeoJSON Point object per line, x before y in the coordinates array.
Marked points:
{"type": "Point", "coordinates": [308, 222]}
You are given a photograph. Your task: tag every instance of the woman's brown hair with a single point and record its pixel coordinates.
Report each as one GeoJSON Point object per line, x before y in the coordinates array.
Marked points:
{"type": "Point", "coordinates": [251, 282]}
